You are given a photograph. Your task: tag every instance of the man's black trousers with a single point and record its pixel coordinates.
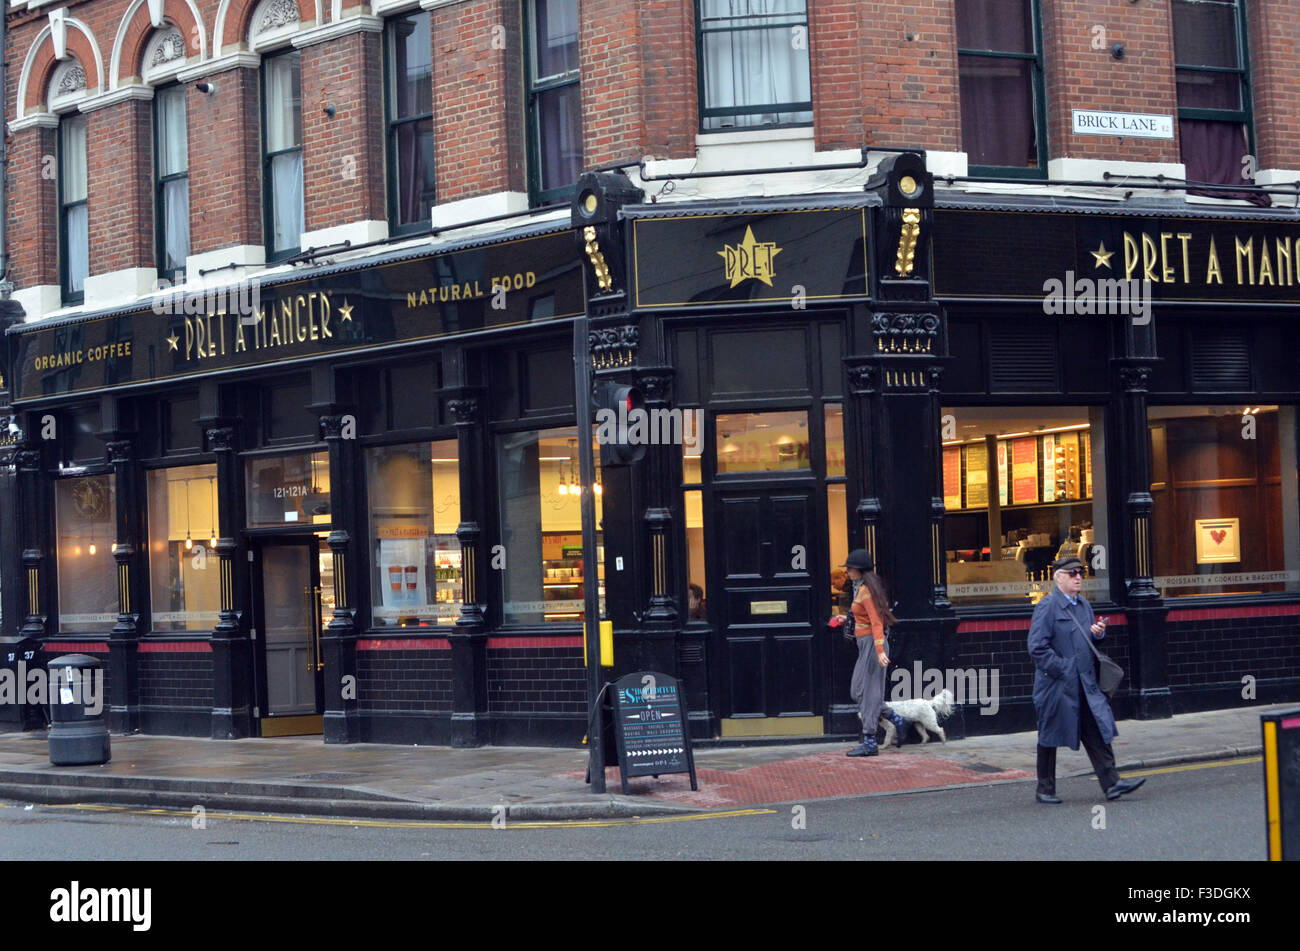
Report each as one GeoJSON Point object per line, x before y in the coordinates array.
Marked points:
{"type": "Point", "coordinates": [1099, 753]}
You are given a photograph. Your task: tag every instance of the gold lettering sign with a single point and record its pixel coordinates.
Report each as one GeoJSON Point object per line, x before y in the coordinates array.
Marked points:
{"type": "Point", "coordinates": [750, 259]}
{"type": "Point", "coordinates": [1165, 258]}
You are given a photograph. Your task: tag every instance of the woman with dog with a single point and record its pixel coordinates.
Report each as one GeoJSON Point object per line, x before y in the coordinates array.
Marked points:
{"type": "Point", "coordinates": [871, 615]}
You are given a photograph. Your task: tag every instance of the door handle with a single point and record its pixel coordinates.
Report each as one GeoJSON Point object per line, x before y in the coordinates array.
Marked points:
{"type": "Point", "coordinates": [311, 623]}
{"type": "Point", "coordinates": [316, 626]}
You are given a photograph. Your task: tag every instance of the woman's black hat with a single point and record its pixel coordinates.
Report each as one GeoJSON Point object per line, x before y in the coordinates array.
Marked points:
{"type": "Point", "coordinates": [861, 559]}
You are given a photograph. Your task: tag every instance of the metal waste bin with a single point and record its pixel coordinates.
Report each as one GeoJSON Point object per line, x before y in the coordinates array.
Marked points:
{"type": "Point", "coordinates": [78, 733]}
{"type": "Point", "coordinates": [17, 660]}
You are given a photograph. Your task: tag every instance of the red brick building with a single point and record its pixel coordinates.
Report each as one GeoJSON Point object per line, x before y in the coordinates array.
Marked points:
{"type": "Point", "coordinates": [160, 149]}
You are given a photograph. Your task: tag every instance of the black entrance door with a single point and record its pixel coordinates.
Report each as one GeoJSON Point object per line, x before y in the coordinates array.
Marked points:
{"type": "Point", "coordinates": [765, 538]}
{"type": "Point", "coordinates": [290, 665]}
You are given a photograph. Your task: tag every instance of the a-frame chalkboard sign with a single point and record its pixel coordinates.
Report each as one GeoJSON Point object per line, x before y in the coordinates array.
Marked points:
{"type": "Point", "coordinates": [650, 727]}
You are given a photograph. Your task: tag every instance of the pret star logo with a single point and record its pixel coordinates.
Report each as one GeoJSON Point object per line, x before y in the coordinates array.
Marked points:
{"type": "Point", "coordinates": [750, 258]}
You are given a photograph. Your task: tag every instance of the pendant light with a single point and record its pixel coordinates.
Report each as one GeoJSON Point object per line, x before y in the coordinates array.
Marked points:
{"type": "Point", "coordinates": [189, 542]}
{"type": "Point", "coordinates": [212, 510]}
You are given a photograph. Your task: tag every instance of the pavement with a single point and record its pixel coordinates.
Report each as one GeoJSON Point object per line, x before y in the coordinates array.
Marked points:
{"type": "Point", "coordinates": [302, 775]}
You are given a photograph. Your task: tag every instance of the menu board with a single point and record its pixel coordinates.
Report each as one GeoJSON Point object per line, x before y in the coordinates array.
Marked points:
{"type": "Point", "coordinates": [977, 476]}
{"type": "Point", "coordinates": [1024, 471]}
{"type": "Point", "coordinates": [952, 478]}
{"type": "Point", "coordinates": [650, 727]}
{"type": "Point", "coordinates": [1002, 472]}
{"type": "Point", "coordinates": [1049, 469]}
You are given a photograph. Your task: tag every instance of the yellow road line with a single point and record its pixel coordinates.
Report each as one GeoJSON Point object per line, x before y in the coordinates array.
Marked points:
{"type": "Point", "coordinates": [1182, 769]}
{"type": "Point", "coordinates": [415, 823]}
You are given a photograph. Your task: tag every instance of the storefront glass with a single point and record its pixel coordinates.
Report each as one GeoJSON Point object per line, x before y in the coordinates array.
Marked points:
{"type": "Point", "coordinates": [184, 577]}
{"type": "Point", "coordinates": [762, 442]}
{"type": "Point", "coordinates": [414, 492]}
{"type": "Point", "coordinates": [85, 521]}
{"type": "Point", "coordinates": [541, 527]}
{"type": "Point", "coordinates": [1032, 479]}
{"type": "Point", "coordinates": [1223, 480]}
{"type": "Point", "coordinates": [290, 489]}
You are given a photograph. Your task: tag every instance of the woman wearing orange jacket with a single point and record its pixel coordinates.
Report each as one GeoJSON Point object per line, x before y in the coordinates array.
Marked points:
{"type": "Point", "coordinates": [871, 615]}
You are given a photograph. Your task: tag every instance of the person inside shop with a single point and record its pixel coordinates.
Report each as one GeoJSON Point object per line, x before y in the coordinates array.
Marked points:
{"type": "Point", "coordinates": [695, 602]}
{"type": "Point", "coordinates": [1067, 698]}
{"type": "Point", "coordinates": [841, 592]}
{"type": "Point", "coordinates": [871, 615]}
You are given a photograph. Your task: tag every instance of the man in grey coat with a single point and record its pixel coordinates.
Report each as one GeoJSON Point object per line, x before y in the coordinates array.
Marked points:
{"type": "Point", "coordinates": [1070, 705]}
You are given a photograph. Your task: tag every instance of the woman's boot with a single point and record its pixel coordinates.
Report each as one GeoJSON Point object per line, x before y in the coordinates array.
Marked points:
{"type": "Point", "coordinates": [866, 748]}
{"type": "Point", "coordinates": [900, 725]}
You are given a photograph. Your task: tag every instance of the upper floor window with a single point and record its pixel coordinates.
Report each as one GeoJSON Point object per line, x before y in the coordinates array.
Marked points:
{"type": "Point", "coordinates": [554, 99]}
{"type": "Point", "coordinates": [409, 93]}
{"type": "Point", "coordinates": [1214, 117]}
{"type": "Point", "coordinates": [74, 220]}
{"type": "Point", "coordinates": [754, 65]}
{"type": "Point", "coordinates": [1000, 69]}
{"type": "Point", "coordinates": [172, 189]}
{"type": "Point", "coordinates": [282, 155]}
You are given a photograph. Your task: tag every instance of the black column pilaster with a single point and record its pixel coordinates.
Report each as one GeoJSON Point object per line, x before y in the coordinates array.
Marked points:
{"type": "Point", "coordinates": [232, 687]}
{"type": "Point", "coordinates": [1144, 609]}
{"type": "Point", "coordinates": [469, 726]}
{"type": "Point", "coordinates": [123, 644]}
{"type": "Point", "coordinates": [34, 519]}
{"type": "Point", "coordinates": [339, 639]}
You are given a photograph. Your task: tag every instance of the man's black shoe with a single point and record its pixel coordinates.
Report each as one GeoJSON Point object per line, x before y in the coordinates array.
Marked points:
{"type": "Point", "coordinates": [1124, 786]}
{"type": "Point", "coordinates": [1048, 798]}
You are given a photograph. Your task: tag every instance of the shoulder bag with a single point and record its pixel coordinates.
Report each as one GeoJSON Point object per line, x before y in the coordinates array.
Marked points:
{"type": "Point", "coordinates": [1109, 673]}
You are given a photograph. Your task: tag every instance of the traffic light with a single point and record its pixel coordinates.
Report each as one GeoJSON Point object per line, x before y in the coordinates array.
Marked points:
{"type": "Point", "coordinates": [622, 424]}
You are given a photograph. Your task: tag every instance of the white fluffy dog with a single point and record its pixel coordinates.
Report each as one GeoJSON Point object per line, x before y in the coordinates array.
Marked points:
{"type": "Point", "coordinates": [922, 714]}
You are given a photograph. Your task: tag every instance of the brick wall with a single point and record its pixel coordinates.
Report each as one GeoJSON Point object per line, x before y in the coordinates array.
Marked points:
{"type": "Point", "coordinates": [225, 162]}
{"type": "Point", "coordinates": [1081, 76]}
{"type": "Point", "coordinates": [1274, 30]}
{"type": "Point", "coordinates": [343, 155]}
{"type": "Point", "coordinates": [613, 117]}
{"type": "Point", "coordinates": [410, 680]}
{"type": "Point", "coordinates": [33, 236]}
{"type": "Point", "coordinates": [175, 680]}
{"type": "Point", "coordinates": [668, 58]}
{"type": "Point", "coordinates": [119, 157]}
{"type": "Point", "coordinates": [1224, 649]}
{"type": "Point", "coordinates": [478, 88]}
{"type": "Point", "coordinates": [536, 680]}
{"type": "Point", "coordinates": [909, 94]}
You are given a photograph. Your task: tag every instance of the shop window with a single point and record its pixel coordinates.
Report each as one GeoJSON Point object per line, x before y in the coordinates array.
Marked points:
{"type": "Point", "coordinates": [408, 49]}
{"type": "Point", "coordinates": [1225, 515]}
{"type": "Point", "coordinates": [1000, 71]}
{"type": "Point", "coordinates": [541, 527]}
{"type": "Point", "coordinates": [290, 489]}
{"type": "Point", "coordinates": [1022, 487]}
{"type": "Point", "coordinates": [841, 594]}
{"type": "Point", "coordinates": [184, 577]}
{"type": "Point", "coordinates": [74, 216]}
{"type": "Point", "coordinates": [282, 155]}
{"type": "Point", "coordinates": [85, 524]}
{"type": "Point", "coordinates": [414, 492]}
{"type": "Point", "coordinates": [754, 64]}
{"type": "Point", "coordinates": [762, 442]}
{"type": "Point", "coordinates": [834, 439]}
{"type": "Point", "coordinates": [172, 182]}
{"type": "Point", "coordinates": [554, 99]}
{"type": "Point", "coordinates": [696, 605]}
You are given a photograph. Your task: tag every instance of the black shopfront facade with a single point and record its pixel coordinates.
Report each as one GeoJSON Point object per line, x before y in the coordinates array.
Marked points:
{"type": "Point", "coordinates": [363, 519]}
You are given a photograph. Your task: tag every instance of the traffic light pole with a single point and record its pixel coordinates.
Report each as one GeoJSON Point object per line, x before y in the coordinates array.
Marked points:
{"type": "Point", "coordinates": [590, 571]}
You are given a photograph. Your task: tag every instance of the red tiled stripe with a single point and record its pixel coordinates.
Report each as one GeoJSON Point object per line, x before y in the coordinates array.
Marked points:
{"type": "Point", "coordinates": [1022, 624]}
{"type": "Point", "coordinates": [406, 644]}
{"type": "Point", "coordinates": [175, 647]}
{"type": "Point", "coordinates": [1209, 614]}
{"type": "Point", "coordinates": [76, 647]}
{"type": "Point", "coordinates": [505, 642]}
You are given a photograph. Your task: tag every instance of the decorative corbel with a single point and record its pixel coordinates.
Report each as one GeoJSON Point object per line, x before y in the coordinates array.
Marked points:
{"type": "Point", "coordinates": [59, 32]}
